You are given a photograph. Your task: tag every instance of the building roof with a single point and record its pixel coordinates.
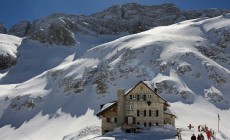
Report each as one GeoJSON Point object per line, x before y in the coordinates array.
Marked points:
{"type": "Point", "coordinates": [106, 107]}
{"type": "Point", "coordinates": [170, 112]}
{"type": "Point", "coordinates": [111, 104]}
{"type": "Point", "coordinates": [149, 87]}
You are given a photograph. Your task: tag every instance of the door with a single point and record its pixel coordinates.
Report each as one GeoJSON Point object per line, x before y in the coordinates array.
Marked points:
{"type": "Point", "coordinates": [130, 120]}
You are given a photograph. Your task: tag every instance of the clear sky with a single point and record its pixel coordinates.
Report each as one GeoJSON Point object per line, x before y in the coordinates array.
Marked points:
{"type": "Point", "coordinates": [13, 11]}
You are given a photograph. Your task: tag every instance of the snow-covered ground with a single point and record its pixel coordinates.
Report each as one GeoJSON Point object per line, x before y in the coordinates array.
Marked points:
{"type": "Point", "coordinates": [54, 92]}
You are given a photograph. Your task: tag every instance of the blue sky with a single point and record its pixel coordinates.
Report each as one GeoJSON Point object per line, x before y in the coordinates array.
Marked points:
{"type": "Point", "coordinates": [13, 11]}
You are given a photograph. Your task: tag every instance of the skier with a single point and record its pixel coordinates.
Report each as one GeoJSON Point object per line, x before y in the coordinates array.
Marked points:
{"type": "Point", "coordinates": [193, 137]}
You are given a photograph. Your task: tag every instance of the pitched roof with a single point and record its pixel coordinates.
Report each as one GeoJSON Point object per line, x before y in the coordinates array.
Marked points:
{"type": "Point", "coordinates": [106, 107]}
{"type": "Point", "coordinates": [149, 87]}
{"type": "Point", "coordinates": [109, 105]}
{"type": "Point", "coordinates": [170, 112]}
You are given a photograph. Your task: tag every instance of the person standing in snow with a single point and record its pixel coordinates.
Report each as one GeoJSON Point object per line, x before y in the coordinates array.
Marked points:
{"type": "Point", "coordinates": [193, 137]}
{"type": "Point", "coordinates": [198, 137]}
{"type": "Point", "coordinates": [190, 126]}
{"type": "Point", "coordinates": [209, 134]}
{"type": "Point", "coordinates": [201, 137]}
{"type": "Point", "coordinates": [199, 128]}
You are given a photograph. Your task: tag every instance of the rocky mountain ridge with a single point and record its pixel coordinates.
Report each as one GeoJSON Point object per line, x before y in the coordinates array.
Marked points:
{"type": "Point", "coordinates": [132, 18]}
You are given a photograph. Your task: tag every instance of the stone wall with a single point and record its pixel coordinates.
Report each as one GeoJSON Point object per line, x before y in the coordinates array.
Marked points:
{"type": "Point", "coordinates": [109, 126]}
{"type": "Point", "coordinates": [155, 103]}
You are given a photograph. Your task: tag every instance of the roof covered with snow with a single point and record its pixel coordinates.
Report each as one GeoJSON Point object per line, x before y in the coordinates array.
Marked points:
{"type": "Point", "coordinates": [170, 112]}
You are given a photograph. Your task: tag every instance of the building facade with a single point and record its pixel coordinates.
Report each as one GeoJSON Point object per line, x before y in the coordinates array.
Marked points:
{"type": "Point", "coordinates": [140, 106]}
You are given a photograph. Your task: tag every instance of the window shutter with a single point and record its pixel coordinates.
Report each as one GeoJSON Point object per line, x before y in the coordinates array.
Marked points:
{"type": "Point", "coordinates": [157, 113]}
{"type": "Point", "coordinates": [144, 97]}
{"type": "Point", "coordinates": [138, 113]}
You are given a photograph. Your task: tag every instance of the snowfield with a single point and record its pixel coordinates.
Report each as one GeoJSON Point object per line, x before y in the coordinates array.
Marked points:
{"type": "Point", "coordinates": [9, 44]}
{"type": "Point", "coordinates": [54, 92]}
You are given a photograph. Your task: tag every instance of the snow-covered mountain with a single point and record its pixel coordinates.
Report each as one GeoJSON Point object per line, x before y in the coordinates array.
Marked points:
{"type": "Point", "coordinates": [53, 92]}
{"type": "Point", "coordinates": [129, 18]}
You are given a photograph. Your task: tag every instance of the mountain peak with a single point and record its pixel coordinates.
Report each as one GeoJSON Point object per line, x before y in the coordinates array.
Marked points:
{"type": "Point", "coordinates": [117, 19]}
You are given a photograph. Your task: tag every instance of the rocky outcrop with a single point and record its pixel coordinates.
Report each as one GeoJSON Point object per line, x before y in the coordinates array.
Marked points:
{"type": "Point", "coordinates": [3, 29]}
{"type": "Point", "coordinates": [192, 14]}
{"type": "Point", "coordinates": [7, 61]}
{"type": "Point", "coordinates": [20, 29]}
{"type": "Point", "coordinates": [130, 18]}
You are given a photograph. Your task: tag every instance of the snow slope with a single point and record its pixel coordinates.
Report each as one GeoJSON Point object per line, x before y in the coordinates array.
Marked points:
{"type": "Point", "coordinates": [9, 44]}
{"type": "Point", "coordinates": [179, 60]}
{"type": "Point", "coordinates": [36, 58]}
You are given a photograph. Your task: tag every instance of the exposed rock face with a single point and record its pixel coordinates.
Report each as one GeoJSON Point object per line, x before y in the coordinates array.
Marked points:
{"type": "Point", "coordinates": [191, 14]}
{"type": "Point", "coordinates": [3, 29]}
{"type": "Point", "coordinates": [7, 61]}
{"type": "Point", "coordinates": [131, 18]}
{"type": "Point", "coordinates": [20, 29]}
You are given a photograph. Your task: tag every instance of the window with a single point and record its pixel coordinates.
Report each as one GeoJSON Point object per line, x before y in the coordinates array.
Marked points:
{"type": "Point", "coordinates": [144, 97]}
{"type": "Point", "coordinates": [107, 119]}
{"type": "Point", "coordinates": [138, 123]}
{"type": "Point", "coordinates": [145, 124]}
{"type": "Point", "coordinates": [138, 97]}
{"type": "Point", "coordinates": [138, 113]}
{"type": "Point", "coordinates": [134, 96]}
{"type": "Point", "coordinates": [149, 96]}
{"type": "Point", "coordinates": [150, 113]}
{"type": "Point", "coordinates": [141, 113]}
{"type": "Point", "coordinates": [130, 120]}
{"type": "Point", "coordinates": [157, 113]}
{"type": "Point", "coordinates": [130, 97]}
{"type": "Point", "coordinates": [157, 123]}
{"type": "Point", "coordinates": [112, 120]}
{"type": "Point", "coordinates": [144, 112]}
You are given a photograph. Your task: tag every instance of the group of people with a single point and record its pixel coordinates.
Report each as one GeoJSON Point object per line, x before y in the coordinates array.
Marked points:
{"type": "Point", "coordinates": [209, 132]}
{"type": "Point", "coordinates": [199, 137]}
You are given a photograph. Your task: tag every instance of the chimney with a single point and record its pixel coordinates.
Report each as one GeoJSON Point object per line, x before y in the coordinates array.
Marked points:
{"type": "Point", "coordinates": [120, 106]}
{"type": "Point", "coordinates": [155, 90]}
